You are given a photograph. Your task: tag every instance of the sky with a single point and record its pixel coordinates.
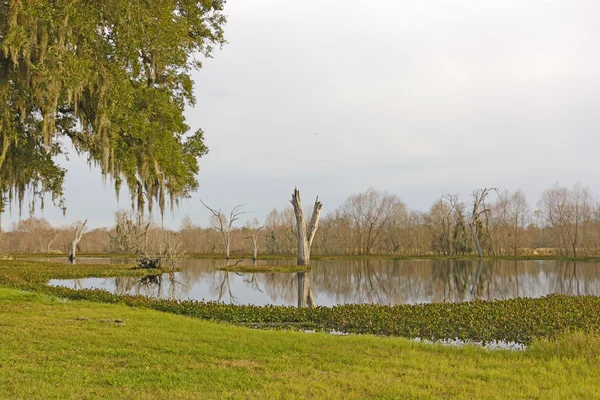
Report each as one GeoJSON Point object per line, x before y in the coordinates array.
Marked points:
{"type": "Point", "coordinates": [415, 97]}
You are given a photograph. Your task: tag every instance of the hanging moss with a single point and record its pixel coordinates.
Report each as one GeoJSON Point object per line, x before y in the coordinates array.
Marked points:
{"type": "Point", "coordinates": [114, 79]}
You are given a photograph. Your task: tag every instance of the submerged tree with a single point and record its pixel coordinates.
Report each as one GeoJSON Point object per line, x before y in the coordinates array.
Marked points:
{"type": "Point", "coordinates": [113, 79]}
{"type": "Point", "coordinates": [76, 239]}
{"type": "Point", "coordinates": [223, 225]}
{"type": "Point", "coordinates": [253, 229]}
{"type": "Point", "coordinates": [305, 234]}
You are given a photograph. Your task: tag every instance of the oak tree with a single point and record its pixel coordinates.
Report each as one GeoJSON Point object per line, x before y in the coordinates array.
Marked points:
{"type": "Point", "coordinates": [113, 78]}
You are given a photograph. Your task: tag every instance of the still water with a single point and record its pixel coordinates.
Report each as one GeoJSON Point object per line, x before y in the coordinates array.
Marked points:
{"type": "Point", "coordinates": [334, 282]}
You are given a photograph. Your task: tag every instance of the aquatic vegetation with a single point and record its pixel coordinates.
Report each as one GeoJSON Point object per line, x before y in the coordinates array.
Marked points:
{"type": "Point", "coordinates": [520, 320]}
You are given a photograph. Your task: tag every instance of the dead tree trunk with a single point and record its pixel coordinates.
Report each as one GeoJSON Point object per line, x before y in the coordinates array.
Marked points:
{"type": "Point", "coordinates": [76, 239]}
{"type": "Point", "coordinates": [476, 239]}
{"type": "Point", "coordinates": [254, 238]}
{"type": "Point", "coordinates": [254, 248]}
{"type": "Point", "coordinates": [222, 225]}
{"type": "Point", "coordinates": [49, 247]}
{"type": "Point", "coordinates": [305, 234]}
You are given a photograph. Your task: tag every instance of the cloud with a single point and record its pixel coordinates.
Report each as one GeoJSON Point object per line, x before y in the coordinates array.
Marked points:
{"type": "Point", "coordinates": [412, 97]}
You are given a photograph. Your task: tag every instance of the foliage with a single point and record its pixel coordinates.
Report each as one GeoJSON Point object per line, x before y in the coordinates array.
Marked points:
{"type": "Point", "coordinates": [146, 262]}
{"type": "Point", "coordinates": [113, 77]}
{"type": "Point", "coordinates": [520, 320]}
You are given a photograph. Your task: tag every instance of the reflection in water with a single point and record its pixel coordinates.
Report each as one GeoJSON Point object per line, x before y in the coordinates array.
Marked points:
{"type": "Point", "coordinates": [362, 281]}
{"type": "Point", "coordinates": [163, 286]}
{"type": "Point", "coordinates": [225, 286]}
{"type": "Point", "coordinates": [305, 297]}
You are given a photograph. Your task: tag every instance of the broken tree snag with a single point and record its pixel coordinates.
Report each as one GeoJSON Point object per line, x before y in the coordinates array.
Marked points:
{"type": "Point", "coordinates": [76, 239]}
{"type": "Point", "coordinates": [305, 234]}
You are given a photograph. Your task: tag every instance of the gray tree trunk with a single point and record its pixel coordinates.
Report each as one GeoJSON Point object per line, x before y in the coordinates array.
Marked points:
{"type": "Point", "coordinates": [49, 248]}
{"type": "Point", "coordinates": [305, 234]}
{"type": "Point", "coordinates": [254, 248]}
{"type": "Point", "coordinates": [76, 239]}
{"type": "Point", "coordinates": [476, 239]}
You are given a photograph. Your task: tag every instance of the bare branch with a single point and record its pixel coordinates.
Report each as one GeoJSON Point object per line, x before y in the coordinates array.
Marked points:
{"type": "Point", "coordinates": [218, 215]}
{"type": "Point", "coordinates": [233, 216]}
{"type": "Point", "coordinates": [314, 221]}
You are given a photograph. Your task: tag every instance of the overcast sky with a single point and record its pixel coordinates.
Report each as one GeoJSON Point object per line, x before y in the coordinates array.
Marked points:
{"type": "Point", "coordinates": [416, 97]}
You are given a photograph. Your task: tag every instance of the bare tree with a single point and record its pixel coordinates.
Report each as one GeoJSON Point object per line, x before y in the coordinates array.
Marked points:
{"type": "Point", "coordinates": [518, 212]}
{"type": "Point", "coordinates": [131, 233]}
{"type": "Point", "coordinates": [76, 239]}
{"type": "Point", "coordinates": [446, 222]}
{"type": "Point", "coordinates": [566, 212]}
{"type": "Point", "coordinates": [305, 234]}
{"type": "Point", "coordinates": [254, 237]}
{"type": "Point", "coordinates": [170, 249]}
{"type": "Point", "coordinates": [223, 225]}
{"type": "Point", "coordinates": [371, 213]}
{"type": "Point", "coordinates": [280, 233]}
{"type": "Point", "coordinates": [479, 209]}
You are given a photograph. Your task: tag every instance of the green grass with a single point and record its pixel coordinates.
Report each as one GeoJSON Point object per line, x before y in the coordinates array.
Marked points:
{"type": "Point", "coordinates": [263, 268]}
{"type": "Point", "coordinates": [51, 348]}
{"type": "Point", "coordinates": [35, 274]}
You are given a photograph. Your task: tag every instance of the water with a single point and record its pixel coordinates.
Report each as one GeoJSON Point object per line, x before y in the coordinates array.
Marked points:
{"type": "Point", "coordinates": [358, 281]}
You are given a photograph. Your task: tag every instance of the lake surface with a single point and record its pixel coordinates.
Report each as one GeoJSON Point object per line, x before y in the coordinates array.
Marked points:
{"type": "Point", "coordinates": [357, 281]}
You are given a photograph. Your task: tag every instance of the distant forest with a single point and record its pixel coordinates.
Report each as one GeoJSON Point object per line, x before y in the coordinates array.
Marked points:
{"type": "Point", "coordinates": [564, 222]}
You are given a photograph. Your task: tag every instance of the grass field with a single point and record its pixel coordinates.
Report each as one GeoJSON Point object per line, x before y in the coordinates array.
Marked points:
{"type": "Point", "coordinates": [51, 348]}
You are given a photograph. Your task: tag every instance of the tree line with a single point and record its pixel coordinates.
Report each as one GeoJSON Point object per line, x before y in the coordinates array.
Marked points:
{"type": "Point", "coordinates": [564, 222]}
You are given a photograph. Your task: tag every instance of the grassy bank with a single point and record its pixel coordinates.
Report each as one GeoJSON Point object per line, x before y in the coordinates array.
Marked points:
{"type": "Point", "coordinates": [72, 350]}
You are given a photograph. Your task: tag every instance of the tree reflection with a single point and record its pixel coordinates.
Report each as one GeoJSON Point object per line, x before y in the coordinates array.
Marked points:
{"type": "Point", "coordinates": [368, 281]}
{"type": "Point", "coordinates": [253, 281]}
{"type": "Point", "coordinates": [225, 287]}
{"type": "Point", "coordinates": [305, 296]}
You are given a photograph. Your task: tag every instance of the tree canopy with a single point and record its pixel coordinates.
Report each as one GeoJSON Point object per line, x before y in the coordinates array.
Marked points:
{"type": "Point", "coordinates": [112, 77]}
